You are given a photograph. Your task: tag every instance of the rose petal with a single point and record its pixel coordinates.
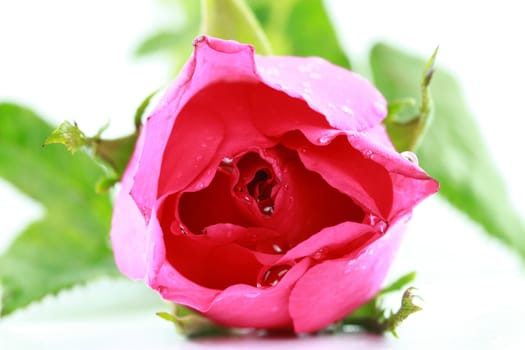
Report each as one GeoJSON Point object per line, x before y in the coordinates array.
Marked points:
{"type": "Point", "coordinates": [246, 306]}
{"type": "Point", "coordinates": [410, 183]}
{"type": "Point", "coordinates": [352, 174]}
{"type": "Point", "coordinates": [345, 99]}
{"type": "Point", "coordinates": [213, 60]}
{"type": "Point", "coordinates": [128, 230]}
{"type": "Point", "coordinates": [211, 263]}
{"type": "Point", "coordinates": [347, 235]}
{"type": "Point", "coordinates": [170, 283]}
{"type": "Point", "coordinates": [349, 282]}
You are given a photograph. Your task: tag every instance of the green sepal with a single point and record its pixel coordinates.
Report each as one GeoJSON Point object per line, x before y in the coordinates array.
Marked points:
{"type": "Point", "coordinates": [407, 133]}
{"type": "Point", "coordinates": [192, 324]}
{"type": "Point", "coordinates": [69, 135]}
{"type": "Point", "coordinates": [373, 317]}
{"type": "Point", "coordinates": [115, 153]}
{"type": "Point", "coordinates": [407, 308]}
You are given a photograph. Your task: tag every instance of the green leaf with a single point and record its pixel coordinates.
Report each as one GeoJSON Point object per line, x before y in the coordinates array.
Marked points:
{"type": "Point", "coordinates": [407, 134]}
{"type": "Point", "coordinates": [373, 317]}
{"type": "Point", "coordinates": [453, 150]}
{"type": "Point", "coordinates": [192, 324]}
{"type": "Point", "coordinates": [234, 20]}
{"type": "Point", "coordinates": [70, 244]}
{"type": "Point", "coordinates": [300, 28]}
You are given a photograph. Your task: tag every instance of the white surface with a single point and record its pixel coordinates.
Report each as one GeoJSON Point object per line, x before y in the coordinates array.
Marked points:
{"type": "Point", "coordinates": [71, 60]}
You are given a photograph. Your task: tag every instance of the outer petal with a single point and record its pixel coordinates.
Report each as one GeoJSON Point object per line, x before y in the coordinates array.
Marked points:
{"type": "Point", "coordinates": [128, 230]}
{"type": "Point", "coordinates": [339, 286]}
{"type": "Point", "coordinates": [247, 306]}
{"type": "Point", "coordinates": [213, 60]}
{"type": "Point", "coordinates": [163, 278]}
{"type": "Point", "coordinates": [347, 100]}
{"type": "Point", "coordinates": [409, 182]}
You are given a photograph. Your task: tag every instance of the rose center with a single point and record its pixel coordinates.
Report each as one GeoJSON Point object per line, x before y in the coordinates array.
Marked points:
{"type": "Point", "coordinates": [260, 189]}
{"type": "Point", "coordinates": [257, 182]}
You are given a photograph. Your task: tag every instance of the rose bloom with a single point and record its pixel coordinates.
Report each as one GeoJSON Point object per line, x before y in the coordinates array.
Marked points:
{"type": "Point", "coordinates": [264, 192]}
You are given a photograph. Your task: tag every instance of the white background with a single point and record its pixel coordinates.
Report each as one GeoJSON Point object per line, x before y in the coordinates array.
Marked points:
{"type": "Point", "coordinates": [72, 60]}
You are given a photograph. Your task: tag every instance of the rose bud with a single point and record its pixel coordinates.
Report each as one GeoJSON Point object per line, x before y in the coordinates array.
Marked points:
{"type": "Point", "coordinates": [264, 192]}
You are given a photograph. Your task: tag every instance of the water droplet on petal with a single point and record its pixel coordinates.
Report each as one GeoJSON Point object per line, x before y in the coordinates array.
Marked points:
{"type": "Point", "coordinates": [376, 222]}
{"type": "Point", "coordinates": [380, 108]}
{"type": "Point", "coordinates": [178, 228]}
{"type": "Point", "coordinates": [304, 68]}
{"type": "Point", "coordinates": [347, 110]}
{"type": "Point", "coordinates": [145, 213]}
{"type": "Point", "coordinates": [325, 140]}
{"type": "Point", "coordinates": [320, 254]}
{"type": "Point", "coordinates": [272, 276]}
{"type": "Point", "coordinates": [277, 248]}
{"type": "Point", "coordinates": [268, 210]}
{"type": "Point", "coordinates": [410, 156]}
{"type": "Point", "coordinates": [272, 71]}
{"type": "Point", "coordinates": [227, 161]}
{"type": "Point", "coordinates": [200, 186]}
{"type": "Point", "coordinates": [369, 154]}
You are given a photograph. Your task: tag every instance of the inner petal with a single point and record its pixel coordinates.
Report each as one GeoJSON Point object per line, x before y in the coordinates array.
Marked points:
{"type": "Point", "coordinates": [267, 189]}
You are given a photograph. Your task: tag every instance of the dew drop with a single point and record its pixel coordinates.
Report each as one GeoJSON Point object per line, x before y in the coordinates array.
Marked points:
{"type": "Point", "coordinates": [304, 68]}
{"type": "Point", "coordinates": [376, 222]}
{"type": "Point", "coordinates": [227, 161]}
{"type": "Point", "coordinates": [347, 110]}
{"type": "Point", "coordinates": [246, 198]}
{"type": "Point", "coordinates": [325, 140]}
{"type": "Point", "coordinates": [320, 254]}
{"type": "Point", "coordinates": [145, 211]}
{"type": "Point", "coordinates": [277, 248]}
{"type": "Point", "coordinates": [178, 228]}
{"type": "Point", "coordinates": [410, 156]}
{"type": "Point", "coordinates": [272, 276]}
{"type": "Point", "coordinates": [226, 164]}
{"type": "Point", "coordinates": [272, 71]}
{"type": "Point", "coordinates": [380, 108]}
{"type": "Point", "coordinates": [369, 154]}
{"type": "Point", "coordinates": [200, 186]}
{"type": "Point", "coordinates": [268, 210]}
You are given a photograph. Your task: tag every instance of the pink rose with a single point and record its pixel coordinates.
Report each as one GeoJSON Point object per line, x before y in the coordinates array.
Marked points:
{"type": "Point", "coordinates": [264, 192]}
